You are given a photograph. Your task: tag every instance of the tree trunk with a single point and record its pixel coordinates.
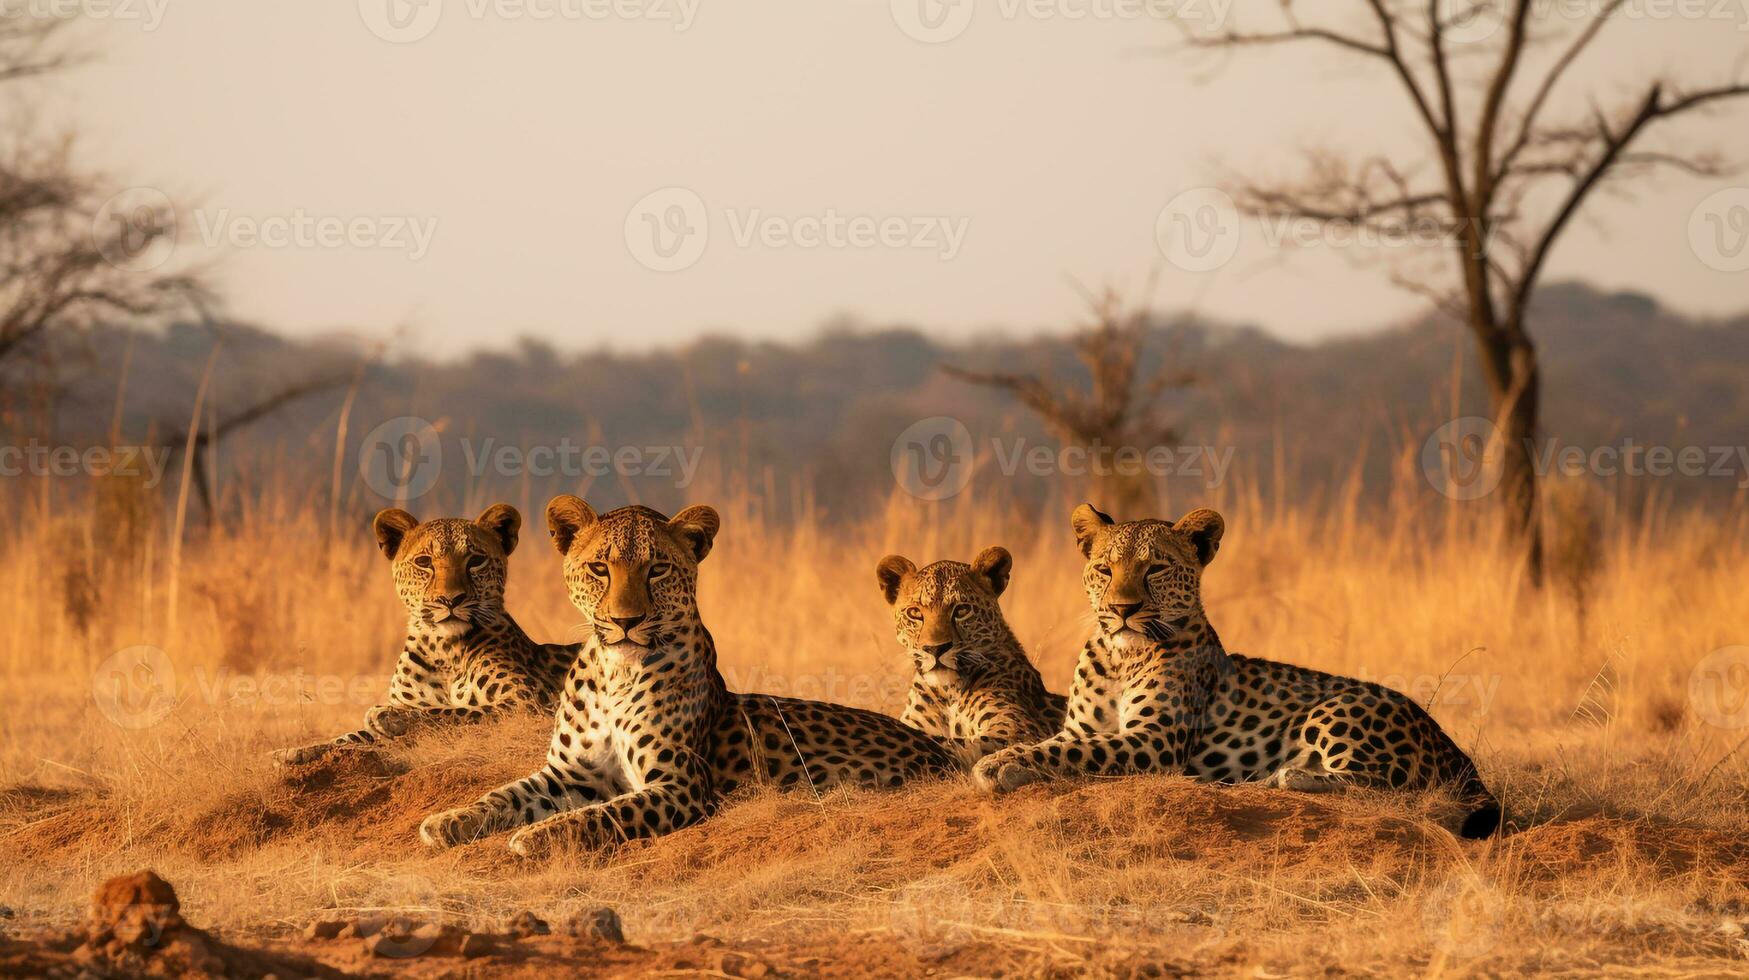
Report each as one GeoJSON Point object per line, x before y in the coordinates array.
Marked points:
{"type": "Point", "coordinates": [1514, 389]}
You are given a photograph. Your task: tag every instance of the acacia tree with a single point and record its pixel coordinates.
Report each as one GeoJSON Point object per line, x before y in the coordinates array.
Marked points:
{"type": "Point", "coordinates": [1118, 414]}
{"type": "Point", "coordinates": [68, 255]}
{"type": "Point", "coordinates": [1508, 173]}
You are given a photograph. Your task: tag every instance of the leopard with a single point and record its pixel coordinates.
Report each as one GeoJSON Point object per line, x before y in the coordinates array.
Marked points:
{"type": "Point", "coordinates": [972, 683]}
{"type": "Point", "coordinates": [647, 738]}
{"type": "Point", "coordinates": [1155, 691]}
{"type": "Point", "coordinates": [464, 658]}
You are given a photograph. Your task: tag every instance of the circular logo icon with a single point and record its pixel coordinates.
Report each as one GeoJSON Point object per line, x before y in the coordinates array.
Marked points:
{"type": "Point", "coordinates": [1718, 688]}
{"type": "Point", "coordinates": [932, 458]}
{"type": "Point", "coordinates": [1467, 21]}
{"type": "Point", "coordinates": [668, 229]}
{"type": "Point", "coordinates": [135, 687]}
{"type": "Point", "coordinates": [933, 916]}
{"type": "Point", "coordinates": [135, 230]}
{"type": "Point", "coordinates": [401, 459]}
{"type": "Point", "coordinates": [401, 21]}
{"type": "Point", "coordinates": [1464, 458]}
{"type": "Point", "coordinates": [409, 900]}
{"type": "Point", "coordinates": [1718, 230]}
{"type": "Point", "coordinates": [933, 21]}
{"type": "Point", "coordinates": [1463, 916]}
{"type": "Point", "coordinates": [1198, 230]}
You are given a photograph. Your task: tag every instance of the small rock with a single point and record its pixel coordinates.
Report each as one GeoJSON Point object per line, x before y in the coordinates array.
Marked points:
{"type": "Point", "coordinates": [324, 929]}
{"type": "Point", "coordinates": [478, 944]}
{"type": "Point", "coordinates": [138, 909]}
{"type": "Point", "coordinates": [527, 924]}
{"type": "Point", "coordinates": [598, 923]}
{"type": "Point", "coordinates": [361, 928]}
{"type": "Point", "coordinates": [742, 965]}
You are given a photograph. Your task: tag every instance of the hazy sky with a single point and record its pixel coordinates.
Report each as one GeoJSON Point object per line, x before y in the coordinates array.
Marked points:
{"type": "Point", "coordinates": [836, 163]}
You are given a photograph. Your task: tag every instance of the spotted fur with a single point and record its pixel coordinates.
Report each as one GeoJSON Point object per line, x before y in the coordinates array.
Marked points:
{"type": "Point", "coordinates": [647, 739]}
{"type": "Point", "coordinates": [972, 683]}
{"type": "Point", "coordinates": [464, 657]}
{"type": "Point", "coordinates": [1155, 691]}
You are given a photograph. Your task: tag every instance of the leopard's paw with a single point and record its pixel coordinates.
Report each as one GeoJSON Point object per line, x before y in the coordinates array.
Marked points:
{"type": "Point", "coordinates": [302, 754]}
{"type": "Point", "coordinates": [388, 720]}
{"type": "Point", "coordinates": [462, 825]}
{"type": "Point", "coordinates": [1001, 773]}
{"type": "Point", "coordinates": [538, 841]}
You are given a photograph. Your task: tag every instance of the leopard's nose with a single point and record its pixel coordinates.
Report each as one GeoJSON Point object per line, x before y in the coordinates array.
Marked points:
{"type": "Point", "coordinates": [627, 623]}
{"type": "Point", "coordinates": [450, 599]}
{"type": "Point", "coordinates": [936, 650]}
{"type": "Point", "coordinates": [1124, 610]}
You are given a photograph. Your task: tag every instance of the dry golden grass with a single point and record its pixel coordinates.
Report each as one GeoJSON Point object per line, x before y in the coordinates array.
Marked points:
{"type": "Point", "coordinates": [1628, 804]}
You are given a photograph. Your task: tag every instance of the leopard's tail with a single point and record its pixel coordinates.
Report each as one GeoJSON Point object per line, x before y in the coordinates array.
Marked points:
{"type": "Point", "coordinates": [1458, 771]}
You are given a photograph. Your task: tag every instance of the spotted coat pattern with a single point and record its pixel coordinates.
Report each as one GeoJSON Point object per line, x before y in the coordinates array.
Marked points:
{"type": "Point", "coordinates": [464, 657]}
{"type": "Point", "coordinates": [646, 738]}
{"type": "Point", "coordinates": [972, 683]}
{"type": "Point", "coordinates": [1155, 691]}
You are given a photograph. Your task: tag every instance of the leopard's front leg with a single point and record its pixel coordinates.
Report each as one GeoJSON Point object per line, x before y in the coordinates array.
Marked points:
{"type": "Point", "coordinates": [661, 807]}
{"type": "Point", "coordinates": [554, 789]}
{"type": "Point", "coordinates": [1160, 714]}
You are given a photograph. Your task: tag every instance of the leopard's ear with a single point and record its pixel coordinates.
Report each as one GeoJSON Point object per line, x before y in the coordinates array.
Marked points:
{"type": "Point", "coordinates": [504, 522]}
{"type": "Point", "coordinates": [994, 564]}
{"type": "Point", "coordinates": [697, 527]}
{"type": "Point", "coordinates": [891, 573]}
{"type": "Point", "coordinates": [391, 527]}
{"type": "Point", "coordinates": [1204, 527]}
{"type": "Point", "coordinates": [1087, 520]}
{"type": "Point", "coordinates": [567, 517]}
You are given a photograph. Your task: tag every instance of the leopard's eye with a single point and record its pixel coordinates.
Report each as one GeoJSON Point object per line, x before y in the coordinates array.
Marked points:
{"type": "Point", "coordinates": [962, 611]}
{"type": "Point", "coordinates": [659, 570]}
{"type": "Point", "coordinates": [423, 561]}
{"type": "Point", "coordinates": [478, 562]}
{"type": "Point", "coordinates": [598, 569]}
{"type": "Point", "coordinates": [1156, 569]}
{"type": "Point", "coordinates": [914, 613]}
{"type": "Point", "coordinates": [1104, 570]}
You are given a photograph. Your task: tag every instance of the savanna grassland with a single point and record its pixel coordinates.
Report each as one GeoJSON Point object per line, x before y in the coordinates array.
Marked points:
{"type": "Point", "coordinates": [1607, 710]}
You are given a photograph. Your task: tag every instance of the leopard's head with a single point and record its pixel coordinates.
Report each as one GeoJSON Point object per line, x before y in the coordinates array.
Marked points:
{"type": "Point", "coordinates": [1144, 578]}
{"type": "Point", "coordinates": [632, 571]}
{"type": "Point", "coordinates": [946, 613]}
{"type": "Point", "coordinates": [450, 571]}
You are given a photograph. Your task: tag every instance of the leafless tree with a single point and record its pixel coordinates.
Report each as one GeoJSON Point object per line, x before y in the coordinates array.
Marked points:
{"type": "Point", "coordinates": [71, 252]}
{"type": "Point", "coordinates": [1508, 173]}
{"type": "Point", "coordinates": [1120, 411]}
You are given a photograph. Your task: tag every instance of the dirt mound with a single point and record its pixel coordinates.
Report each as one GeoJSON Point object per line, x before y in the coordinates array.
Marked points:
{"type": "Point", "coordinates": [933, 828]}
{"type": "Point", "coordinates": [1564, 848]}
{"type": "Point", "coordinates": [362, 801]}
